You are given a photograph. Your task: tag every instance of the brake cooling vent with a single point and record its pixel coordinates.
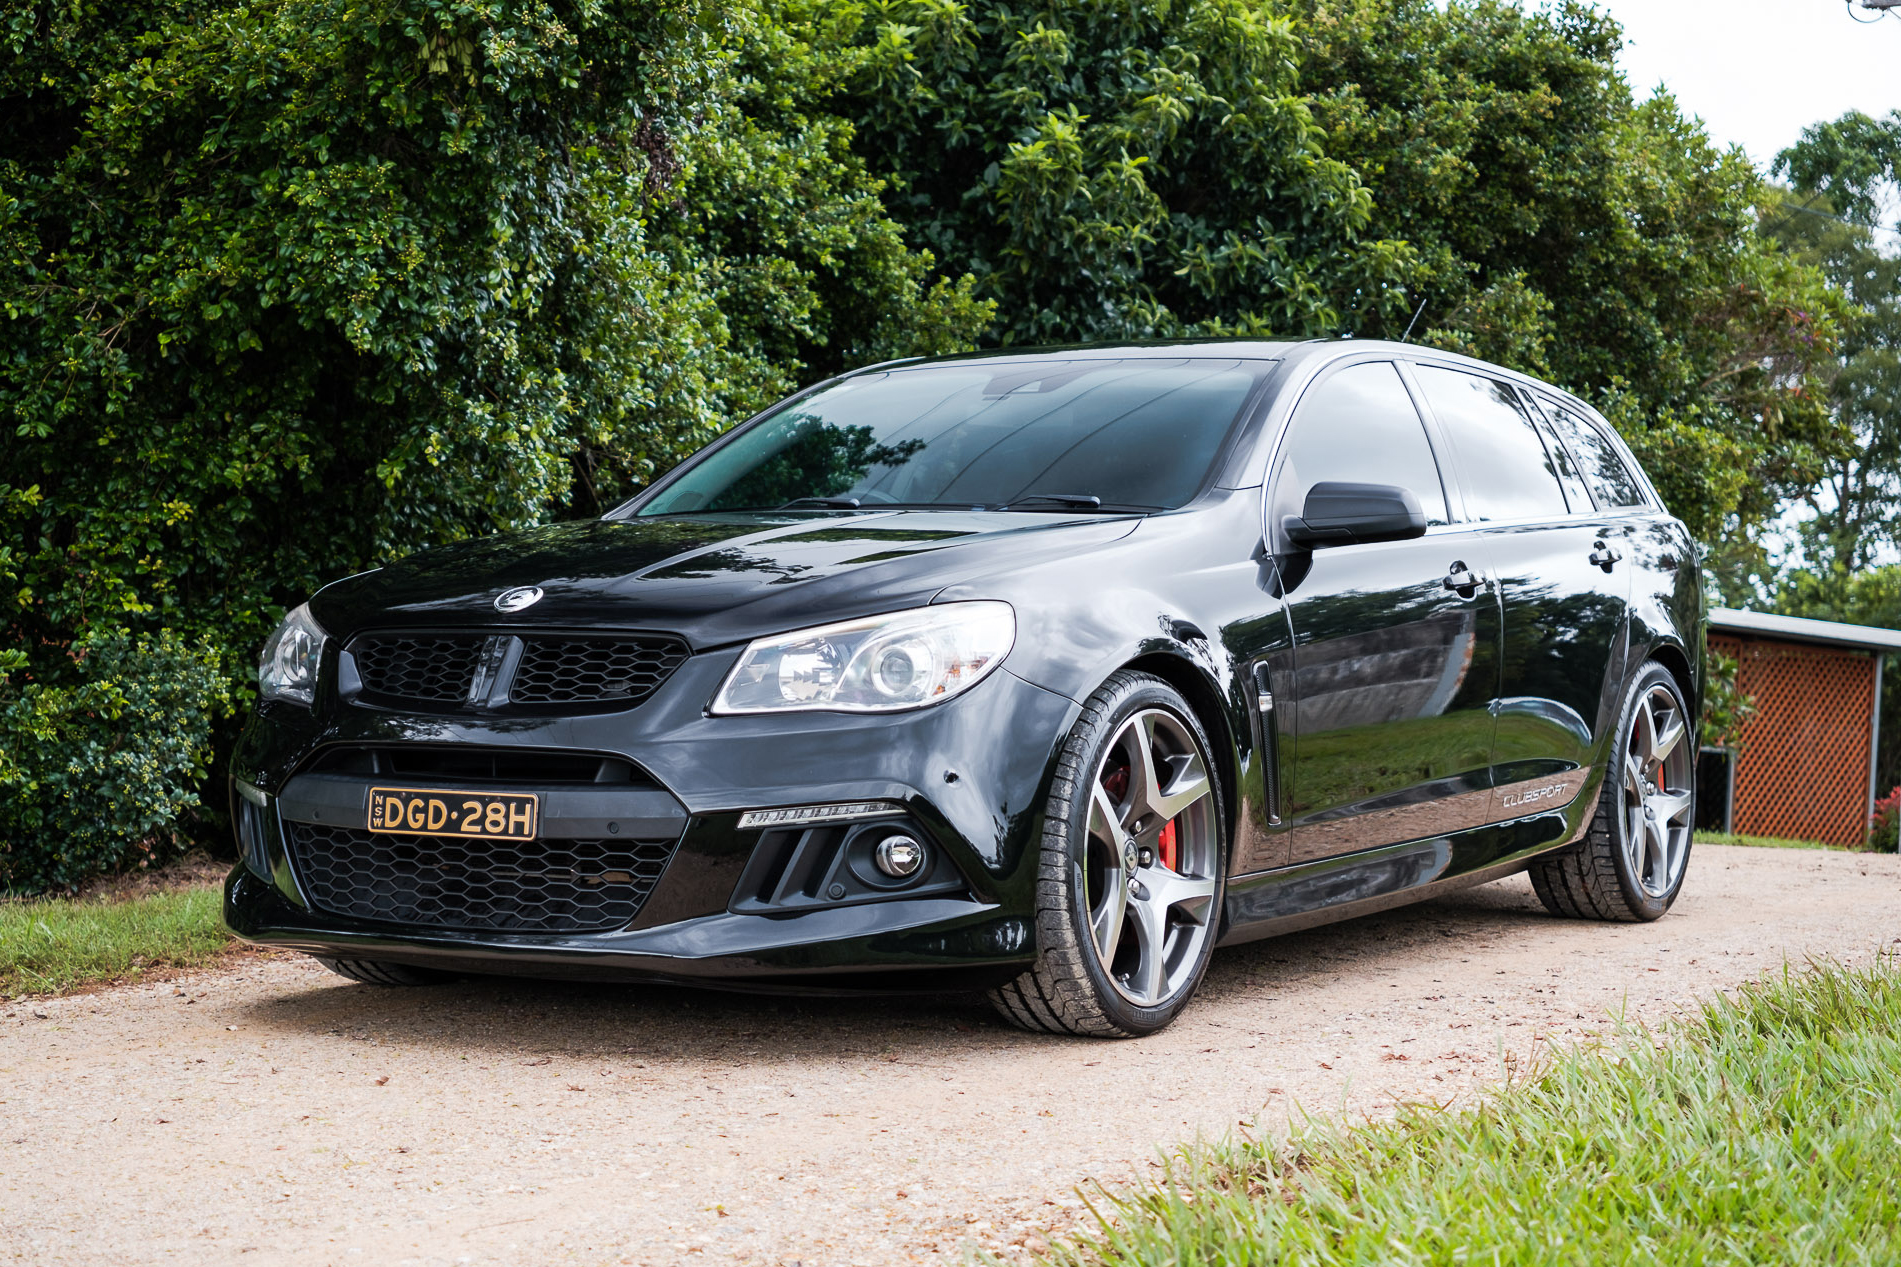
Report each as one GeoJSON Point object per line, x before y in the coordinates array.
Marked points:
{"type": "Point", "coordinates": [543, 886]}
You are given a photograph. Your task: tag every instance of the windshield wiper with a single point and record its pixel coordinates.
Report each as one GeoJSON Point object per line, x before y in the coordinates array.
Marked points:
{"type": "Point", "coordinates": [821, 503]}
{"type": "Point", "coordinates": [1087, 502]}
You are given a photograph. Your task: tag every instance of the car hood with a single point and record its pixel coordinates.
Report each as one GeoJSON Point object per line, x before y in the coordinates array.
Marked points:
{"type": "Point", "coordinates": [712, 579]}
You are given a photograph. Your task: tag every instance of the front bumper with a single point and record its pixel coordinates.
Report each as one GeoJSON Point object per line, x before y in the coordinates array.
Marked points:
{"type": "Point", "coordinates": [970, 776]}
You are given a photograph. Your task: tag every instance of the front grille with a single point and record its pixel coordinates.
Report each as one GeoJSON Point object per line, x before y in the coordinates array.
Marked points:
{"type": "Point", "coordinates": [543, 886]}
{"type": "Point", "coordinates": [431, 669]}
{"type": "Point", "coordinates": [539, 673]}
{"type": "Point", "coordinates": [592, 670]}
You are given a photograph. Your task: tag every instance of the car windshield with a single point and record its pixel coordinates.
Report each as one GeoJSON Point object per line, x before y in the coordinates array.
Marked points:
{"type": "Point", "coordinates": [1083, 435]}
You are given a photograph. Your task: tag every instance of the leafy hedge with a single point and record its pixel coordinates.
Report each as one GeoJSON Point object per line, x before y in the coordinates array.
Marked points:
{"type": "Point", "coordinates": [292, 287]}
{"type": "Point", "coordinates": [98, 769]}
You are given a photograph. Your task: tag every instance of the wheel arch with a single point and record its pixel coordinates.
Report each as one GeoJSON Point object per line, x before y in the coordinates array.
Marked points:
{"type": "Point", "coordinates": [1202, 695]}
{"type": "Point", "coordinates": [1677, 661]}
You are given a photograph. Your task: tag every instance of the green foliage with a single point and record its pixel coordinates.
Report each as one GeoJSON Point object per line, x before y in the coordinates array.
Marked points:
{"type": "Point", "coordinates": [1120, 171]}
{"type": "Point", "coordinates": [54, 945]}
{"type": "Point", "coordinates": [295, 286]}
{"type": "Point", "coordinates": [96, 770]}
{"type": "Point", "coordinates": [1884, 825]}
{"type": "Point", "coordinates": [1745, 1135]}
{"type": "Point", "coordinates": [1340, 165]}
{"type": "Point", "coordinates": [1852, 166]}
{"type": "Point", "coordinates": [1567, 229]}
{"type": "Point", "coordinates": [1848, 161]}
{"type": "Point", "coordinates": [1725, 707]}
{"type": "Point", "coordinates": [1855, 513]}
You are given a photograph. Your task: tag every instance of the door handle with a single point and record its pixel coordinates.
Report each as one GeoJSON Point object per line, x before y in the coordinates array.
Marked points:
{"type": "Point", "coordinates": [1460, 578]}
{"type": "Point", "coordinates": [1605, 556]}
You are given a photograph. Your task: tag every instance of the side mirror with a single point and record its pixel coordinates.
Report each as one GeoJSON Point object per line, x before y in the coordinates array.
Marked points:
{"type": "Point", "coordinates": [1339, 514]}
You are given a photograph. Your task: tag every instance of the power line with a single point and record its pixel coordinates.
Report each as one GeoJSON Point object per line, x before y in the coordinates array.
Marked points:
{"type": "Point", "coordinates": [1806, 210]}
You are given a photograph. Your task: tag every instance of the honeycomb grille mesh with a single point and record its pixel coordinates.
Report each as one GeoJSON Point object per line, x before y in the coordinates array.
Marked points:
{"type": "Point", "coordinates": [592, 670]}
{"type": "Point", "coordinates": [1802, 759]}
{"type": "Point", "coordinates": [543, 886]}
{"type": "Point", "coordinates": [430, 669]}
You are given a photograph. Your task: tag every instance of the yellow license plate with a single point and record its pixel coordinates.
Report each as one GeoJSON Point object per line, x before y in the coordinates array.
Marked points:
{"type": "Point", "coordinates": [438, 812]}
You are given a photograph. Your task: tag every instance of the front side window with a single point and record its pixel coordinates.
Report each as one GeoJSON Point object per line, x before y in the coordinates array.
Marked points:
{"type": "Point", "coordinates": [1137, 434]}
{"type": "Point", "coordinates": [1359, 426]}
{"type": "Point", "coordinates": [1508, 473]}
{"type": "Point", "coordinates": [1604, 469]}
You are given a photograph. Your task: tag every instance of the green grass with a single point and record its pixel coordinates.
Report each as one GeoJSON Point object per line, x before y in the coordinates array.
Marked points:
{"type": "Point", "coordinates": [1765, 1131]}
{"type": "Point", "coordinates": [1764, 842]}
{"type": "Point", "coordinates": [54, 945]}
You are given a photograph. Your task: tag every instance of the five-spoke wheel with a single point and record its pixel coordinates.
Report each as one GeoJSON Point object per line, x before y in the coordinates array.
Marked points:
{"type": "Point", "coordinates": [1658, 791]}
{"type": "Point", "coordinates": [1630, 862]}
{"type": "Point", "coordinates": [1130, 882]}
{"type": "Point", "coordinates": [1149, 871]}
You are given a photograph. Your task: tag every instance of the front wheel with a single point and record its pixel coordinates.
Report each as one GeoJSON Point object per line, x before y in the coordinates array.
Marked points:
{"type": "Point", "coordinates": [1129, 885]}
{"type": "Point", "coordinates": [1630, 865]}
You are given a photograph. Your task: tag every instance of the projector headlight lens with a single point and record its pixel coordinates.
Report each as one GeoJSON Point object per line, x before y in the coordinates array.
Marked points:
{"type": "Point", "coordinates": [287, 669]}
{"type": "Point", "coordinates": [881, 664]}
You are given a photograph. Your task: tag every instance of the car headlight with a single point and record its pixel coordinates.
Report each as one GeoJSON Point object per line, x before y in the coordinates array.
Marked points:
{"type": "Point", "coordinates": [288, 667]}
{"type": "Point", "coordinates": [881, 664]}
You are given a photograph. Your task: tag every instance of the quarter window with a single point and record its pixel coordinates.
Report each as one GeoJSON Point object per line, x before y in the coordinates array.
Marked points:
{"type": "Point", "coordinates": [1359, 425]}
{"type": "Point", "coordinates": [1604, 469]}
{"type": "Point", "coordinates": [1508, 473]}
{"type": "Point", "coordinates": [1568, 474]}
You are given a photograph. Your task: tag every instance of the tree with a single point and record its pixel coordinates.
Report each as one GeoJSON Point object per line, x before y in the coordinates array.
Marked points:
{"type": "Point", "coordinates": [1337, 167]}
{"type": "Point", "coordinates": [1843, 173]}
{"type": "Point", "coordinates": [1846, 174]}
{"type": "Point", "coordinates": [295, 286]}
{"type": "Point", "coordinates": [1119, 171]}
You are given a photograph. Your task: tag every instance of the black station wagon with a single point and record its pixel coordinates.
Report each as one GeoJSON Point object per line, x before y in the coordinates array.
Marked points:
{"type": "Point", "coordinates": [1040, 672]}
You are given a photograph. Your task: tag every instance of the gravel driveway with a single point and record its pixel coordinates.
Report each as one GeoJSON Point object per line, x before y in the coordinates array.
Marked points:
{"type": "Point", "coordinates": [277, 1114]}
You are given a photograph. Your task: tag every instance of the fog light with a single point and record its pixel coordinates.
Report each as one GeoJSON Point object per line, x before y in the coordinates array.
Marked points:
{"type": "Point", "coordinates": [899, 857]}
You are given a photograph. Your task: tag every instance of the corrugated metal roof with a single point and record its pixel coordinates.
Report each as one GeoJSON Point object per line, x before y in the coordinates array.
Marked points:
{"type": "Point", "coordinates": [1828, 633]}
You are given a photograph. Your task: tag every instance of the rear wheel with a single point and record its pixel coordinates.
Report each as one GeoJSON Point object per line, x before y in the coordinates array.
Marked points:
{"type": "Point", "coordinates": [1630, 865]}
{"type": "Point", "coordinates": [378, 972]}
{"type": "Point", "coordinates": [1129, 884]}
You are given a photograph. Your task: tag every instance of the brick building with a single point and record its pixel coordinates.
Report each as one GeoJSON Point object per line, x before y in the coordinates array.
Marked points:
{"type": "Point", "coordinates": [1804, 768]}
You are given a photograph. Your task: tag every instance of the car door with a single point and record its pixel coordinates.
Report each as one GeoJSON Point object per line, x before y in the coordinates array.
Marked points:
{"type": "Point", "coordinates": [1395, 658]}
{"type": "Point", "coordinates": [1562, 581]}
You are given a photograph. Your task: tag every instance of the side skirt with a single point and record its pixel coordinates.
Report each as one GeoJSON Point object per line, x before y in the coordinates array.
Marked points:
{"type": "Point", "coordinates": [1295, 898]}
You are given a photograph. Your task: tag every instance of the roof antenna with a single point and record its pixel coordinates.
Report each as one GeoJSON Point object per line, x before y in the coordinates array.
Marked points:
{"type": "Point", "coordinates": [1415, 321]}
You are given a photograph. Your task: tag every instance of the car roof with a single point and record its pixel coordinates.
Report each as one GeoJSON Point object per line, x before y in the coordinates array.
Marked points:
{"type": "Point", "coordinates": [1144, 349]}
{"type": "Point", "coordinates": [1239, 348]}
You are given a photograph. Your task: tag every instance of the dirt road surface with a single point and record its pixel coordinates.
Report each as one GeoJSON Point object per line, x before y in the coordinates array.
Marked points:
{"type": "Point", "coordinates": [278, 1114]}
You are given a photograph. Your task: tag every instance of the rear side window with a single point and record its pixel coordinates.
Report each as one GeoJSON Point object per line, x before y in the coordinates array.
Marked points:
{"type": "Point", "coordinates": [1359, 425]}
{"type": "Point", "coordinates": [1568, 473]}
{"type": "Point", "coordinates": [1604, 469]}
{"type": "Point", "coordinates": [1508, 472]}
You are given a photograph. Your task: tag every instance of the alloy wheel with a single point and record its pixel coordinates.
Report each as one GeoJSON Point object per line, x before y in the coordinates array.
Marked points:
{"type": "Point", "coordinates": [1658, 796]}
{"type": "Point", "coordinates": [1150, 865]}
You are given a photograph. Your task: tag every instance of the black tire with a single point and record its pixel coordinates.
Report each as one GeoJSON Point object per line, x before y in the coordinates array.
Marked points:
{"type": "Point", "coordinates": [1069, 990]}
{"type": "Point", "coordinates": [379, 972]}
{"type": "Point", "coordinates": [1596, 878]}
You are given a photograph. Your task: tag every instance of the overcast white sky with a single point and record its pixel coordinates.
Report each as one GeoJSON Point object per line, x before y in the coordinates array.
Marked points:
{"type": "Point", "coordinates": [1758, 71]}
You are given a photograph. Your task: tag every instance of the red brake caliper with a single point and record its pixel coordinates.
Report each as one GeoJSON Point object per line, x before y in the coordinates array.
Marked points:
{"type": "Point", "coordinates": [1166, 844]}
